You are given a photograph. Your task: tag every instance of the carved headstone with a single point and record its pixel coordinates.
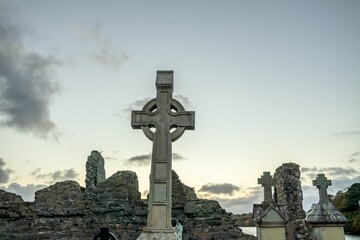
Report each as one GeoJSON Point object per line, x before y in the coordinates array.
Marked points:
{"type": "Point", "coordinates": [95, 170]}
{"type": "Point", "coordinates": [267, 181]}
{"type": "Point", "coordinates": [322, 183]}
{"type": "Point", "coordinates": [269, 217]}
{"type": "Point", "coordinates": [162, 114]}
{"type": "Point", "coordinates": [327, 222]}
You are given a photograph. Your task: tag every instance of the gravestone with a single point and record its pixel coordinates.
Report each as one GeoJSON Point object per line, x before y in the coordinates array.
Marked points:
{"type": "Point", "coordinates": [170, 120]}
{"type": "Point", "coordinates": [270, 218]}
{"type": "Point", "coordinates": [267, 181]}
{"type": "Point", "coordinates": [326, 221]}
{"type": "Point", "coordinates": [322, 183]}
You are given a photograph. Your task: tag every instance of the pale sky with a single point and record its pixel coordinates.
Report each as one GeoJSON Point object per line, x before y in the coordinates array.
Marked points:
{"type": "Point", "coordinates": [270, 82]}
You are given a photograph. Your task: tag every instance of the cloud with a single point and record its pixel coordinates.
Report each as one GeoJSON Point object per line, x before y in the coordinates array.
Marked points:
{"type": "Point", "coordinates": [340, 177]}
{"type": "Point", "coordinates": [106, 53]}
{"type": "Point", "coordinates": [26, 84]}
{"type": "Point", "coordinates": [137, 105]}
{"type": "Point", "coordinates": [110, 158]}
{"type": "Point", "coordinates": [52, 177]}
{"type": "Point", "coordinates": [219, 188]}
{"type": "Point", "coordinates": [241, 201]}
{"type": "Point", "coordinates": [355, 157]}
{"type": "Point", "coordinates": [347, 134]}
{"type": "Point", "coordinates": [241, 204]}
{"type": "Point", "coordinates": [4, 173]}
{"type": "Point", "coordinates": [139, 160]}
{"type": "Point", "coordinates": [177, 156]}
{"type": "Point", "coordinates": [27, 192]}
{"type": "Point", "coordinates": [183, 100]}
{"type": "Point", "coordinates": [142, 160]}
{"type": "Point", "coordinates": [332, 171]}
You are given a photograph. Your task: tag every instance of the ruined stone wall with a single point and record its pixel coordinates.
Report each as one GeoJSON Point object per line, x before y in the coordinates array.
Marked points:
{"type": "Point", "coordinates": [288, 193]}
{"type": "Point", "coordinates": [68, 211]}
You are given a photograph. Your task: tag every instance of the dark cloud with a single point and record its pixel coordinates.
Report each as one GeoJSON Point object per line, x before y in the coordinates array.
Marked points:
{"type": "Point", "coordinates": [340, 177]}
{"type": "Point", "coordinates": [219, 188]}
{"type": "Point", "coordinates": [68, 174]}
{"type": "Point", "coordinates": [108, 59]}
{"type": "Point", "coordinates": [26, 84]}
{"type": "Point", "coordinates": [4, 173]}
{"type": "Point", "coordinates": [332, 171]}
{"type": "Point", "coordinates": [177, 156]}
{"type": "Point", "coordinates": [27, 192]}
{"type": "Point", "coordinates": [355, 154]}
{"type": "Point", "coordinates": [145, 159]}
{"type": "Point", "coordinates": [347, 134]}
{"type": "Point", "coordinates": [139, 160]}
{"type": "Point", "coordinates": [106, 53]}
{"type": "Point", "coordinates": [355, 157]}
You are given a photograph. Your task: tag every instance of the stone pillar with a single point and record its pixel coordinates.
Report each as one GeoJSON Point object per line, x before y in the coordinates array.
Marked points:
{"type": "Point", "coordinates": [95, 170]}
{"type": "Point", "coordinates": [270, 218]}
{"type": "Point", "coordinates": [288, 193]}
{"type": "Point", "coordinates": [288, 190]}
{"type": "Point", "coordinates": [326, 221]}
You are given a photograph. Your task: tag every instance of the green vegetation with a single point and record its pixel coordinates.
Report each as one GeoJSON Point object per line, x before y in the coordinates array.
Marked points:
{"type": "Point", "coordinates": [348, 204]}
{"type": "Point", "coordinates": [244, 219]}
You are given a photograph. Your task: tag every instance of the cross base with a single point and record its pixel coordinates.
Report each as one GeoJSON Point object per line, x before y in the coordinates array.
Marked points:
{"type": "Point", "coordinates": [158, 236]}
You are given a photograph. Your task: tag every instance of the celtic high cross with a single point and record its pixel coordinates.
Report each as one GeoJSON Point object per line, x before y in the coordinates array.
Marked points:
{"type": "Point", "coordinates": [163, 120]}
{"type": "Point", "coordinates": [322, 183]}
{"type": "Point", "coordinates": [267, 181]}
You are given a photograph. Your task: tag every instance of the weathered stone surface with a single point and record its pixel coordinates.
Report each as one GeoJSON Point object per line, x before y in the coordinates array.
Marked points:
{"type": "Point", "coordinates": [277, 217]}
{"type": "Point", "coordinates": [288, 193]}
{"type": "Point", "coordinates": [325, 213]}
{"type": "Point", "coordinates": [269, 217]}
{"type": "Point", "coordinates": [95, 170]}
{"type": "Point", "coordinates": [66, 210]}
{"type": "Point", "coordinates": [288, 190]}
{"type": "Point", "coordinates": [61, 199]}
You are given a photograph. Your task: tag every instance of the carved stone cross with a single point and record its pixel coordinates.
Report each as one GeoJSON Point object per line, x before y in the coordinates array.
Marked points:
{"type": "Point", "coordinates": [267, 182]}
{"type": "Point", "coordinates": [322, 183]}
{"type": "Point", "coordinates": [163, 120]}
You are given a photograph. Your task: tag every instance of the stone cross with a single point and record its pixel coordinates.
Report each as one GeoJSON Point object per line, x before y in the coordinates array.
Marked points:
{"type": "Point", "coordinates": [163, 120]}
{"type": "Point", "coordinates": [267, 181]}
{"type": "Point", "coordinates": [322, 184]}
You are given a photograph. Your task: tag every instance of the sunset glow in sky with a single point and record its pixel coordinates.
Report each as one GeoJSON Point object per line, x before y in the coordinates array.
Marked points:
{"type": "Point", "coordinates": [270, 82]}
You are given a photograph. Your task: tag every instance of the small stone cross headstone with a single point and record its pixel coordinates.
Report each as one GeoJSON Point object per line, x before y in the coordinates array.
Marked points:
{"type": "Point", "coordinates": [169, 119]}
{"type": "Point", "coordinates": [322, 183]}
{"type": "Point", "coordinates": [267, 181]}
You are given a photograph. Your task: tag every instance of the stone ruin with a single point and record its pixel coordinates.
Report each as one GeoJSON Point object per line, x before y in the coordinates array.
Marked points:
{"type": "Point", "coordinates": [95, 170]}
{"type": "Point", "coordinates": [287, 192]}
{"type": "Point", "coordinates": [66, 210]}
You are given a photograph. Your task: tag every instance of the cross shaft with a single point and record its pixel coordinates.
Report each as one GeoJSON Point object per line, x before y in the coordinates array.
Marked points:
{"type": "Point", "coordinates": [162, 114]}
